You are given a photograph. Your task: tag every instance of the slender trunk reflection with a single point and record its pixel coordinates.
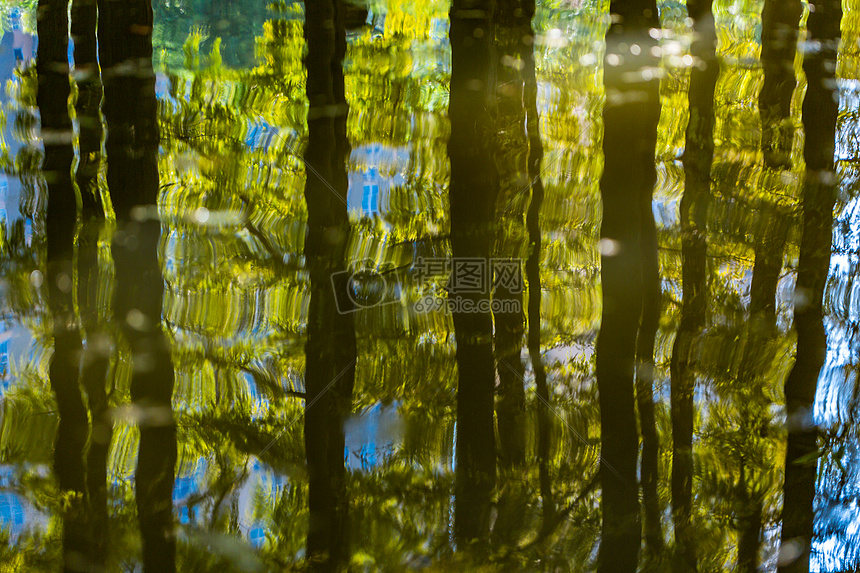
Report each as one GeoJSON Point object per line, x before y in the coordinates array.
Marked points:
{"type": "Point", "coordinates": [779, 37]}
{"type": "Point", "coordinates": [533, 275]}
{"type": "Point", "coordinates": [698, 157]}
{"type": "Point", "coordinates": [819, 193]}
{"type": "Point", "coordinates": [780, 21]}
{"type": "Point", "coordinates": [52, 100]}
{"type": "Point", "coordinates": [87, 102]}
{"type": "Point", "coordinates": [330, 346]}
{"type": "Point", "coordinates": [649, 323]}
{"type": "Point", "coordinates": [125, 56]}
{"type": "Point", "coordinates": [511, 163]}
{"type": "Point", "coordinates": [751, 380]}
{"type": "Point", "coordinates": [630, 126]}
{"type": "Point", "coordinates": [472, 194]}
{"type": "Point", "coordinates": [512, 35]}
{"type": "Point", "coordinates": [93, 305]}
{"type": "Point", "coordinates": [94, 284]}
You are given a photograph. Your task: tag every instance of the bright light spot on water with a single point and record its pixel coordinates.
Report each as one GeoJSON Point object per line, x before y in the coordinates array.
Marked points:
{"type": "Point", "coordinates": [635, 49]}
{"type": "Point", "coordinates": [201, 215]}
{"type": "Point", "coordinates": [688, 60]}
{"type": "Point", "coordinates": [588, 59]}
{"type": "Point", "coordinates": [786, 177]}
{"type": "Point", "coordinates": [827, 178]}
{"type": "Point", "coordinates": [143, 213]}
{"type": "Point", "coordinates": [801, 298]}
{"type": "Point", "coordinates": [37, 278]}
{"type": "Point", "coordinates": [511, 62]}
{"type": "Point", "coordinates": [671, 48]}
{"type": "Point", "coordinates": [64, 283]}
{"type": "Point", "coordinates": [608, 247]}
{"type": "Point", "coordinates": [136, 319]}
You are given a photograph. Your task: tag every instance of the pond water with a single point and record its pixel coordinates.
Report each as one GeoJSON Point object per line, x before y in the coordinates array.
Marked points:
{"type": "Point", "coordinates": [395, 285]}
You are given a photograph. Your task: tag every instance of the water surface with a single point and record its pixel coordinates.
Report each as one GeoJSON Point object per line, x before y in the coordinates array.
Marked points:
{"type": "Point", "coordinates": [430, 287]}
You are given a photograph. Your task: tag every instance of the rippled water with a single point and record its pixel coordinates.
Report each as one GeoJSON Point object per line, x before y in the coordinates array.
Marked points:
{"type": "Point", "coordinates": [340, 399]}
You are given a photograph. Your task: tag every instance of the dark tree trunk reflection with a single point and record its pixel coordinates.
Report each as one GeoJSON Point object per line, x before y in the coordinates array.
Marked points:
{"type": "Point", "coordinates": [330, 347]}
{"type": "Point", "coordinates": [80, 451]}
{"type": "Point", "coordinates": [87, 103]}
{"type": "Point", "coordinates": [753, 406]}
{"type": "Point", "coordinates": [72, 432]}
{"type": "Point", "coordinates": [649, 323]}
{"type": "Point", "coordinates": [698, 157]}
{"type": "Point", "coordinates": [630, 134]}
{"type": "Point", "coordinates": [126, 50]}
{"type": "Point", "coordinates": [95, 365]}
{"type": "Point", "coordinates": [780, 22]}
{"type": "Point", "coordinates": [472, 193]}
{"type": "Point", "coordinates": [512, 31]}
{"type": "Point", "coordinates": [125, 56]}
{"type": "Point", "coordinates": [819, 192]}
{"type": "Point", "coordinates": [533, 275]}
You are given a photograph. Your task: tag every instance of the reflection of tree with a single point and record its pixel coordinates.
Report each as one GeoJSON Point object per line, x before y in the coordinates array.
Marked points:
{"type": "Point", "coordinates": [533, 269]}
{"type": "Point", "coordinates": [779, 37]}
{"type": "Point", "coordinates": [512, 28]}
{"type": "Point", "coordinates": [85, 527]}
{"type": "Point", "coordinates": [93, 304]}
{"type": "Point", "coordinates": [88, 97]}
{"type": "Point", "coordinates": [752, 380]}
{"type": "Point", "coordinates": [630, 127]}
{"type": "Point", "coordinates": [52, 100]}
{"type": "Point", "coordinates": [472, 193]}
{"type": "Point", "coordinates": [125, 57]}
{"type": "Point", "coordinates": [513, 44]}
{"type": "Point", "coordinates": [819, 193]}
{"type": "Point", "coordinates": [330, 347]}
{"type": "Point", "coordinates": [698, 157]}
{"type": "Point", "coordinates": [780, 21]}
{"type": "Point", "coordinates": [751, 398]}
{"type": "Point", "coordinates": [518, 157]}
{"type": "Point", "coordinates": [649, 323]}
